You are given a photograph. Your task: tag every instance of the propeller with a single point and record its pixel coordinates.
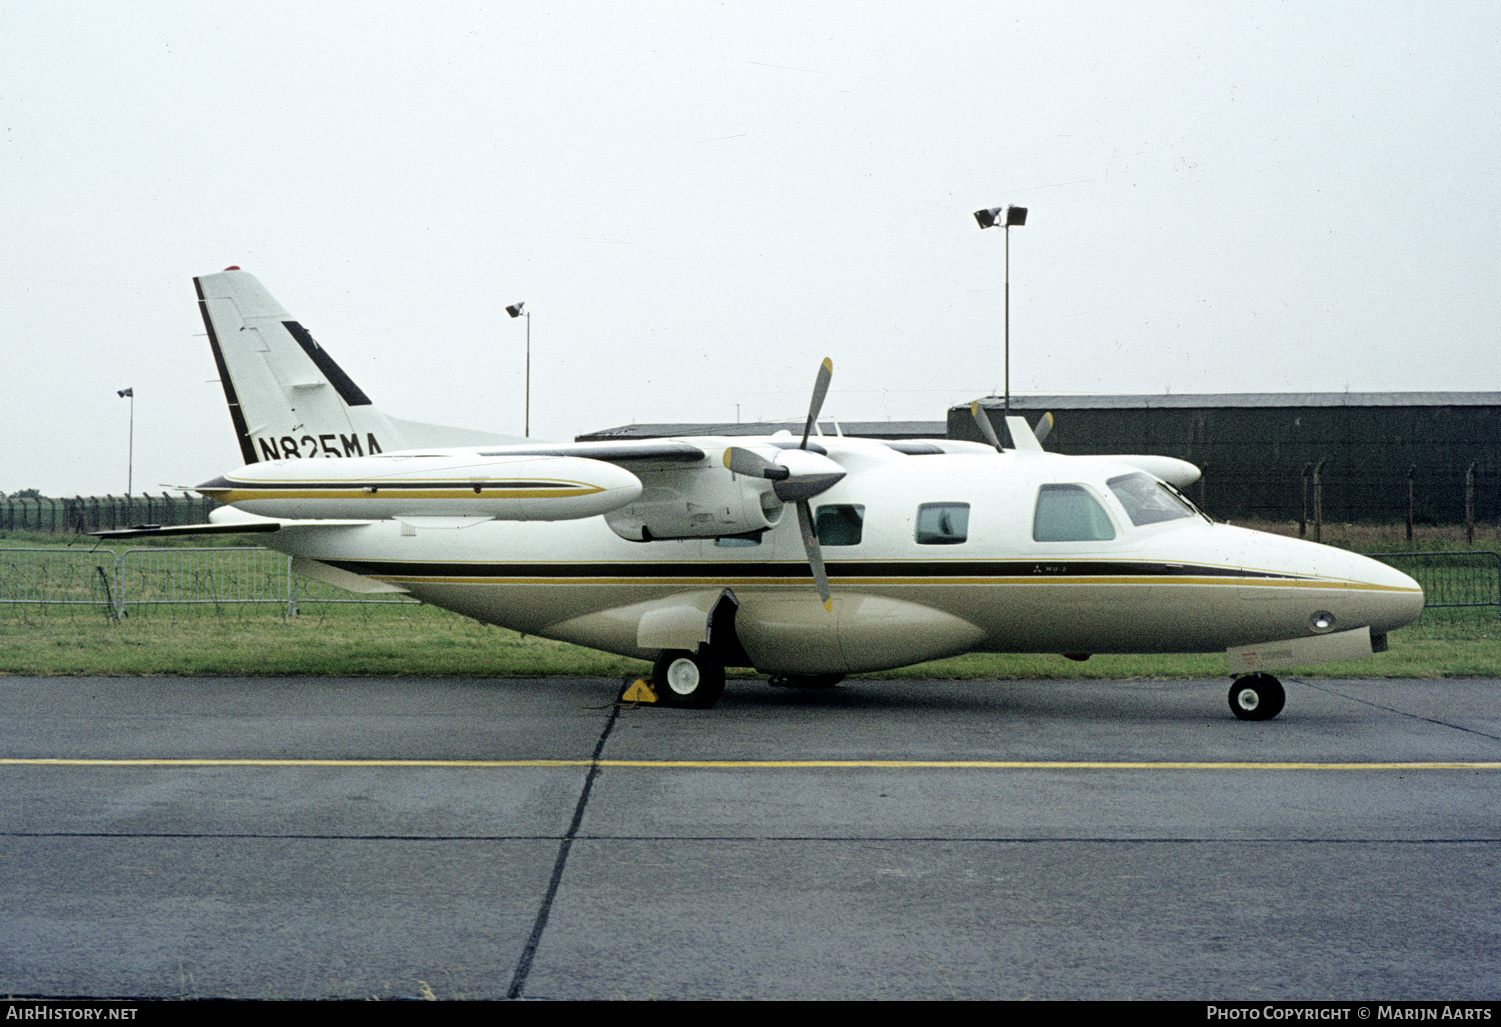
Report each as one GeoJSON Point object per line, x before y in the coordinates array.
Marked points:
{"type": "Point", "coordinates": [1044, 426]}
{"type": "Point", "coordinates": [987, 430]}
{"type": "Point", "coordinates": [797, 475]}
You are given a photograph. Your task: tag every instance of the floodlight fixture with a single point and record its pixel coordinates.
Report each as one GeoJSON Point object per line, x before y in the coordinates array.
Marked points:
{"type": "Point", "coordinates": [1006, 217]}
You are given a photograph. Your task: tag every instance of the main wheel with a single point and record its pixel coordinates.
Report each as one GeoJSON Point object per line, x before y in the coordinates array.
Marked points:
{"type": "Point", "coordinates": [1257, 697]}
{"type": "Point", "coordinates": [694, 680]}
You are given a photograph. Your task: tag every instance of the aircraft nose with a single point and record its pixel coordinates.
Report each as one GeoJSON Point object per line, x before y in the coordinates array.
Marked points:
{"type": "Point", "coordinates": [1386, 598]}
{"type": "Point", "coordinates": [1336, 590]}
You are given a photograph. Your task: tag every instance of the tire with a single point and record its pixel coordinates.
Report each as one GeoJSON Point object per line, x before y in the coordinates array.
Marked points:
{"type": "Point", "coordinates": [689, 680]}
{"type": "Point", "coordinates": [1257, 697]}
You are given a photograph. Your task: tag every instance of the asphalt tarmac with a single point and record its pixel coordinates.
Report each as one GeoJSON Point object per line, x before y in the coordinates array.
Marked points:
{"type": "Point", "coordinates": [397, 838]}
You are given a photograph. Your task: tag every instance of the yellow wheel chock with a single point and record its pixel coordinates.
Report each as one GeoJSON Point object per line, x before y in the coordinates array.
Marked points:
{"type": "Point", "coordinates": [640, 691]}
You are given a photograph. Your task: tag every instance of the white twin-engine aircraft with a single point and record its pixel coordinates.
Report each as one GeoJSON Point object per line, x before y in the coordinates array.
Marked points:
{"type": "Point", "coordinates": [683, 551]}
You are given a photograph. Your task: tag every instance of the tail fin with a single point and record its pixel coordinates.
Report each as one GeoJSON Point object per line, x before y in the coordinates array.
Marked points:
{"type": "Point", "coordinates": [287, 397]}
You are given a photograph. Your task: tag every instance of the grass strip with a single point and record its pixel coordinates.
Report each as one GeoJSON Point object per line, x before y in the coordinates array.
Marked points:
{"type": "Point", "coordinates": [412, 640]}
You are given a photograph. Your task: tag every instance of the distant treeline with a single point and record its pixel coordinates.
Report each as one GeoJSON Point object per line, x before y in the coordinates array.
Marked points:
{"type": "Point", "coordinates": [27, 511]}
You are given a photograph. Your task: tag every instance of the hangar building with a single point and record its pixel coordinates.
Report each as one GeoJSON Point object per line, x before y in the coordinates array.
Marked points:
{"type": "Point", "coordinates": [1255, 450]}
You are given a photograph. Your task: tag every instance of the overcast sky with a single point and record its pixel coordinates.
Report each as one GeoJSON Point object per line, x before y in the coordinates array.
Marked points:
{"type": "Point", "coordinates": [699, 201]}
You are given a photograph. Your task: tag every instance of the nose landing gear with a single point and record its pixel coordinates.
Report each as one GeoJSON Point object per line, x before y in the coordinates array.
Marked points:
{"type": "Point", "coordinates": [1257, 697]}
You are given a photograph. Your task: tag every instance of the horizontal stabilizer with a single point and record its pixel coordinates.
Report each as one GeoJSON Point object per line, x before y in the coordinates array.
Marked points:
{"type": "Point", "coordinates": [165, 530]}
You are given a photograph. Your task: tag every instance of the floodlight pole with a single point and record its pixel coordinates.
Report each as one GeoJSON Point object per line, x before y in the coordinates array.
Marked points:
{"type": "Point", "coordinates": [1007, 320]}
{"type": "Point", "coordinates": [516, 310]}
{"type": "Point", "coordinates": [1005, 217]}
{"type": "Point", "coordinates": [130, 459]}
{"type": "Point", "coordinates": [528, 404]}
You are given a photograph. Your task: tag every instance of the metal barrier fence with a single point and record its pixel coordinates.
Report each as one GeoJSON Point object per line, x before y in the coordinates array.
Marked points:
{"type": "Point", "coordinates": [1461, 578]}
{"type": "Point", "coordinates": [220, 575]}
{"type": "Point", "coordinates": [57, 576]}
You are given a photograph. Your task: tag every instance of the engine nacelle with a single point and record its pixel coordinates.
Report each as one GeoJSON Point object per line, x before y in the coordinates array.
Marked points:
{"type": "Point", "coordinates": [676, 504]}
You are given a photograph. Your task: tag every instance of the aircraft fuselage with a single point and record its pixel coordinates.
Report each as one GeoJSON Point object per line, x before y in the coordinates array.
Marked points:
{"type": "Point", "coordinates": [909, 581]}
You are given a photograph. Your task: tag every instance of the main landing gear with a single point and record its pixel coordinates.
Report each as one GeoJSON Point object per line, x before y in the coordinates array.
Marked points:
{"type": "Point", "coordinates": [696, 680]}
{"type": "Point", "coordinates": [1257, 697]}
{"type": "Point", "coordinates": [693, 680]}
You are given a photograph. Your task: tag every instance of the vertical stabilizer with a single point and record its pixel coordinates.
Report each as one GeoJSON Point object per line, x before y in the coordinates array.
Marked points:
{"type": "Point", "coordinates": [287, 397]}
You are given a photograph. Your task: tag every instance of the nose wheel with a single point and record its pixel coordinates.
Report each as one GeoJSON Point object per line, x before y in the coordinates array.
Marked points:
{"type": "Point", "coordinates": [694, 680]}
{"type": "Point", "coordinates": [1257, 697]}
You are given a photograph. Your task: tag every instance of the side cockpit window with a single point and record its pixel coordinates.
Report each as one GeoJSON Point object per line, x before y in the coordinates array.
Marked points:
{"type": "Point", "coordinates": [1070, 513]}
{"type": "Point", "coordinates": [1147, 500]}
{"type": "Point", "coordinates": [839, 525]}
{"type": "Point", "coordinates": [942, 524]}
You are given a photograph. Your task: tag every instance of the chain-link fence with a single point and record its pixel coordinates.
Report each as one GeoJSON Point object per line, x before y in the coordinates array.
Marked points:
{"type": "Point", "coordinates": [61, 515]}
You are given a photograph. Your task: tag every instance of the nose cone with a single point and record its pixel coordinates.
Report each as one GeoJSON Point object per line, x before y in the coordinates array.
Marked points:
{"type": "Point", "coordinates": [1389, 598]}
{"type": "Point", "coordinates": [1356, 589]}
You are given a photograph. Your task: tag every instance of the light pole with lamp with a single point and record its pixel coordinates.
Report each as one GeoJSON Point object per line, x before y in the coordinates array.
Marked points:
{"type": "Point", "coordinates": [1005, 217]}
{"type": "Point", "coordinates": [130, 460]}
{"type": "Point", "coordinates": [515, 311]}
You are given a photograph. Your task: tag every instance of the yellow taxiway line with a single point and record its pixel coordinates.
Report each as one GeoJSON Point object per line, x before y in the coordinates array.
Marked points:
{"type": "Point", "coordinates": [764, 764]}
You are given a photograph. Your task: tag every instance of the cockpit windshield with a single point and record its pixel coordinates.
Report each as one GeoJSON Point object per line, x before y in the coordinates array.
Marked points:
{"type": "Point", "coordinates": [1149, 501]}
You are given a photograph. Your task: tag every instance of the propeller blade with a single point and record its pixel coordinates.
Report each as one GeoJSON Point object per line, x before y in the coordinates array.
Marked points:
{"type": "Point", "coordinates": [815, 555]}
{"type": "Point", "coordinates": [743, 461]}
{"type": "Point", "coordinates": [820, 390]}
{"type": "Point", "coordinates": [986, 428]}
{"type": "Point", "coordinates": [1044, 426]}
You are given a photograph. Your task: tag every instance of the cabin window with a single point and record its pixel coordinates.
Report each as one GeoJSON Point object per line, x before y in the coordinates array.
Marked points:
{"type": "Point", "coordinates": [839, 525]}
{"type": "Point", "coordinates": [1069, 513]}
{"type": "Point", "coordinates": [1147, 500]}
{"type": "Point", "coordinates": [942, 524]}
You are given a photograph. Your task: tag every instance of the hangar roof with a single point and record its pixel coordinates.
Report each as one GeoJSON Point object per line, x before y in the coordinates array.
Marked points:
{"type": "Point", "coordinates": [1248, 399]}
{"type": "Point", "coordinates": [860, 429]}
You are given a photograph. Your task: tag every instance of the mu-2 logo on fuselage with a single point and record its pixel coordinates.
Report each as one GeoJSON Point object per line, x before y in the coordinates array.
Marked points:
{"type": "Point", "coordinates": [292, 447]}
